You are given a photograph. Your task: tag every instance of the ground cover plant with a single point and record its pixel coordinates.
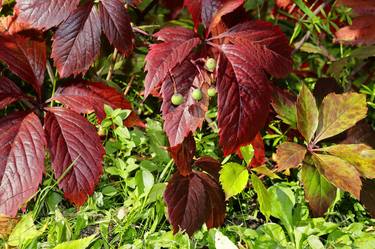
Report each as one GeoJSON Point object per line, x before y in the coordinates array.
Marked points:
{"type": "Point", "coordinates": [187, 124]}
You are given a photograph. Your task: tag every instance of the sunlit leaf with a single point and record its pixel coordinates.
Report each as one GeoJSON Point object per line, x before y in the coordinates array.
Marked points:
{"type": "Point", "coordinates": [289, 155]}
{"type": "Point", "coordinates": [233, 179]}
{"type": "Point", "coordinates": [262, 196]}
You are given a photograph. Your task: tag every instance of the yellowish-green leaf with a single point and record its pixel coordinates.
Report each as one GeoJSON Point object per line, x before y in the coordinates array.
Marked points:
{"type": "Point", "coordinates": [76, 244]}
{"type": "Point", "coordinates": [339, 112]}
{"type": "Point", "coordinates": [264, 170]}
{"type": "Point", "coordinates": [6, 225]}
{"type": "Point", "coordinates": [307, 114]}
{"type": "Point", "coordinates": [289, 155]}
{"type": "Point", "coordinates": [318, 191]}
{"type": "Point", "coordinates": [339, 172]}
{"type": "Point", "coordinates": [24, 231]}
{"type": "Point", "coordinates": [264, 198]}
{"type": "Point", "coordinates": [233, 178]}
{"type": "Point", "coordinates": [361, 156]}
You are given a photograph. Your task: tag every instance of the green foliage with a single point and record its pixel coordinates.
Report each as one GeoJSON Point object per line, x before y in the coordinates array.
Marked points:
{"type": "Point", "coordinates": [233, 178]}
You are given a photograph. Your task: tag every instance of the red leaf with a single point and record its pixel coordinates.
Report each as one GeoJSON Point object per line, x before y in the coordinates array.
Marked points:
{"type": "Point", "coordinates": [259, 152]}
{"type": "Point", "coordinates": [266, 43]}
{"type": "Point", "coordinates": [187, 117]}
{"type": "Point", "coordinates": [116, 25]}
{"type": "Point", "coordinates": [86, 97]}
{"type": "Point", "coordinates": [360, 7]}
{"type": "Point", "coordinates": [22, 144]}
{"type": "Point", "coordinates": [164, 57]}
{"type": "Point", "coordinates": [210, 165]}
{"type": "Point", "coordinates": [244, 98]}
{"type": "Point", "coordinates": [216, 201]}
{"type": "Point", "coordinates": [77, 41]}
{"type": "Point", "coordinates": [183, 154]}
{"type": "Point", "coordinates": [9, 92]}
{"type": "Point", "coordinates": [44, 14]}
{"type": "Point", "coordinates": [227, 7]}
{"type": "Point", "coordinates": [361, 32]}
{"type": "Point", "coordinates": [10, 25]}
{"type": "Point", "coordinates": [187, 202]}
{"type": "Point", "coordinates": [25, 57]}
{"type": "Point", "coordinates": [72, 139]}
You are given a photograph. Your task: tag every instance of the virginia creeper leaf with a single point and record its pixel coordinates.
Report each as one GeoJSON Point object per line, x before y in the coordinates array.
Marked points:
{"type": "Point", "coordinates": [259, 152]}
{"type": "Point", "coordinates": [318, 191]}
{"type": "Point", "coordinates": [210, 165]}
{"type": "Point", "coordinates": [116, 25]}
{"type": "Point", "coordinates": [360, 7]}
{"type": "Point", "coordinates": [76, 42]}
{"type": "Point", "coordinates": [233, 178]}
{"type": "Point", "coordinates": [226, 8]}
{"type": "Point", "coordinates": [22, 144]}
{"type": "Point", "coordinates": [289, 155]}
{"type": "Point", "coordinates": [180, 120]}
{"type": "Point", "coordinates": [361, 156]}
{"type": "Point", "coordinates": [25, 57]}
{"type": "Point", "coordinates": [187, 202]}
{"type": "Point", "coordinates": [183, 154]}
{"type": "Point", "coordinates": [72, 140]}
{"type": "Point", "coordinates": [244, 97]}
{"type": "Point", "coordinates": [162, 58]}
{"type": "Point", "coordinates": [307, 114]}
{"type": "Point", "coordinates": [262, 196]}
{"type": "Point", "coordinates": [368, 195]}
{"type": "Point", "coordinates": [340, 112]}
{"type": "Point", "coordinates": [284, 105]}
{"type": "Point", "coordinates": [339, 172]}
{"type": "Point", "coordinates": [10, 25]}
{"type": "Point", "coordinates": [9, 92]}
{"type": "Point", "coordinates": [359, 33]}
{"type": "Point", "coordinates": [42, 14]}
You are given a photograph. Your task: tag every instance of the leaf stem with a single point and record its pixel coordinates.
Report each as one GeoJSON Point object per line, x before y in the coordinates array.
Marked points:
{"type": "Point", "coordinates": [112, 66]}
{"type": "Point", "coordinates": [53, 80]}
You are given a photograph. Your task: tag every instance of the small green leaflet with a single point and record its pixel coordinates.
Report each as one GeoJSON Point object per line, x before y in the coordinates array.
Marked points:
{"type": "Point", "coordinates": [233, 178]}
{"type": "Point", "coordinates": [76, 244]}
{"type": "Point", "coordinates": [263, 196]}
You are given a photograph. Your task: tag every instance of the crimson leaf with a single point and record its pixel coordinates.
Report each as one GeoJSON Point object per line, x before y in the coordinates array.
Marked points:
{"type": "Point", "coordinates": [42, 14]}
{"type": "Point", "coordinates": [25, 57]}
{"type": "Point", "coordinates": [183, 154]}
{"type": "Point", "coordinates": [164, 57]}
{"type": "Point", "coordinates": [72, 140]}
{"type": "Point", "coordinates": [22, 144]}
{"type": "Point", "coordinates": [116, 25]}
{"type": "Point", "coordinates": [210, 165]}
{"type": "Point", "coordinates": [77, 41]}
{"type": "Point", "coordinates": [9, 92]}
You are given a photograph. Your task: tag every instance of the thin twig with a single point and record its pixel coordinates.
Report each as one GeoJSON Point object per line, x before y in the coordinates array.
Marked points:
{"type": "Point", "coordinates": [112, 66]}
{"type": "Point", "coordinates": [129, 85]}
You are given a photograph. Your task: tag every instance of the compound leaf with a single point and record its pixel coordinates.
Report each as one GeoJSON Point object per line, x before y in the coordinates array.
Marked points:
{"type": "Point", "coordinates": [289, 155]}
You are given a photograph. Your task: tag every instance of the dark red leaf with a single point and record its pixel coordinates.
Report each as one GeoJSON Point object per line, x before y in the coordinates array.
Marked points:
{"type": "Point", "coordinates": [187, 117]}
{"type": "Point", "coordinates": [87, 97]}
{"type": "Point", "coordinates": [244, 98]}
{"type": "Point", "coordinates": [44, 14]}
{"type": "Point", "coordinates": [183, 154]}
{"type": "Point", "coordinates": [368, 195]}
{"type": "Point", "coordinates": [216, 201]}
{"type": "Point", "coordinates": [226, 8]}
{"type": "Point", "coordinates": [210, 165]}
{"type": "Point", "coordinates": [73, 140]}
{"type": "Point", "coordinates": [116, 25]}
{"type": "Point", "coordinates": [164, 57]}
{"type": "Point", "coordinates": [174, 6]}
{"type": "Point", "coordinates": [9, 92]}
{"type": "Point", "coordinates": [361, 133]}
{"type": "Point", "coordinates": [22, 144]}
{"type": "Point", "coordinates": [25, 57]}
{"type": "Point", "coordinates": [187, 202]}
{"type": "Point", "coordinates": [325, 86]}
{"type": "Point", "coordinates": [77, 41]}
{"type": "Point", "coordinates": [265, 43]}
{"type": "Point", "coordinates": [259, 152]}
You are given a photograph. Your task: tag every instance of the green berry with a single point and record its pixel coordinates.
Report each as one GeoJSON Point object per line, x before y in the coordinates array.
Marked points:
{"type": "Point", "coordinates": [177, 99]}
{"type": "Point", "coordinates": [211, 91]}
{"type": "Point", "coordinates": [197, 94]}
{"type": "Point", "coordinates": [210, 64]}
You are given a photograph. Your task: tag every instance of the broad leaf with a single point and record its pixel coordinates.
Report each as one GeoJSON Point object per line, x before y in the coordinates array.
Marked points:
{"type": "Point", "coordinates": [76, 42]}
{"type": "Point", "coordinates": [187, 202]}
{"type": "Point", "coordinates": [259, 152]}
{"type": "Point", "coordinates": [361, 156]}
{"type": "Point", "coordinates": [25, 57]}
{"type": "Point", "coordinates": [289, 155]}
{"type": "Point", "coordinates": [318, 191]}
{"type": "Point", "coordinates": [76, 153]}
{"type": "Point", "coordinates": [359, 33]}
{"type": "Point", "coordinates": [265, 43]}
{"type": "Point", "coordinates": [183, 154]}
{"type": "Point", "coordinates": [9, 92]}
{"type": "Point", "coordinates": [283, 201]}
{"type": "Point", "coordinates": [162, 58]}
{"type": "Point", "coordinates": [339, 172]}
{"type": "Point", "coordinates": [307, 114]}
{"type": "Point", "coordinates": [262, 196]}
{"type": "Point", "coordinates": [9, 25]}
{"type": "Point", "coordinates": [86, 97]}
{"type": "Point", "coordinates": [340, 112]}
{"type": "Point", "coordinates": [284, 105]}
{"type": "Point", "coordinates": [210, 165]}
{"type": "Point", "coordinates": [180, 120]}
{"type": "Point", "coordinates": [22, 144]}
{"type": "Point", "coordinates": [233, 179]}
{"type": "Point", "coordinates": [116, 25]}
{"type": "Point", "coordinates": [42, 14]}
{"type": "Point", "coordinates": [244, 97]}
{"type": "Point", "coordinates": [24, 231]}
{"type": "Point", "coordinates": [76, 244]}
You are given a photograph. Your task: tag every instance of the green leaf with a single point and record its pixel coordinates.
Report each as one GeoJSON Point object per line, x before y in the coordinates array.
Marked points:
{"type": "Point", "coordinates": [318, 191]}
{"type": "Point", "coordinates": [285, 109]}
{"type": "Point", "coordinates": [289, 155]}
{"type": "Point", "coordinates": [248, 153]}
{"type": "Point", "coordinates": [272, 231]}
{"type": "Point", "coordinates": [314, 242]}
{"type": "Point", "coordinates": [24, 231]}
{"type": "Point", "coordinates": [233, 178]}
{"type": "Point", "coordinates": [223, 242]}
{"type": "Point", "coordinates": [361, 156]}
{"type": "Point", "coordinates": [76, 244]}
{"type": "Point", "coordinates": [263, 196]}
{"type": "Point", "coordinates": [339, 172]}
{"type": "Point", "coordinates": [307, 114]}
{"type": "Point", "coordinates": [339, 112]}
{"type": "Point", "coordinates": [283, 201]}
